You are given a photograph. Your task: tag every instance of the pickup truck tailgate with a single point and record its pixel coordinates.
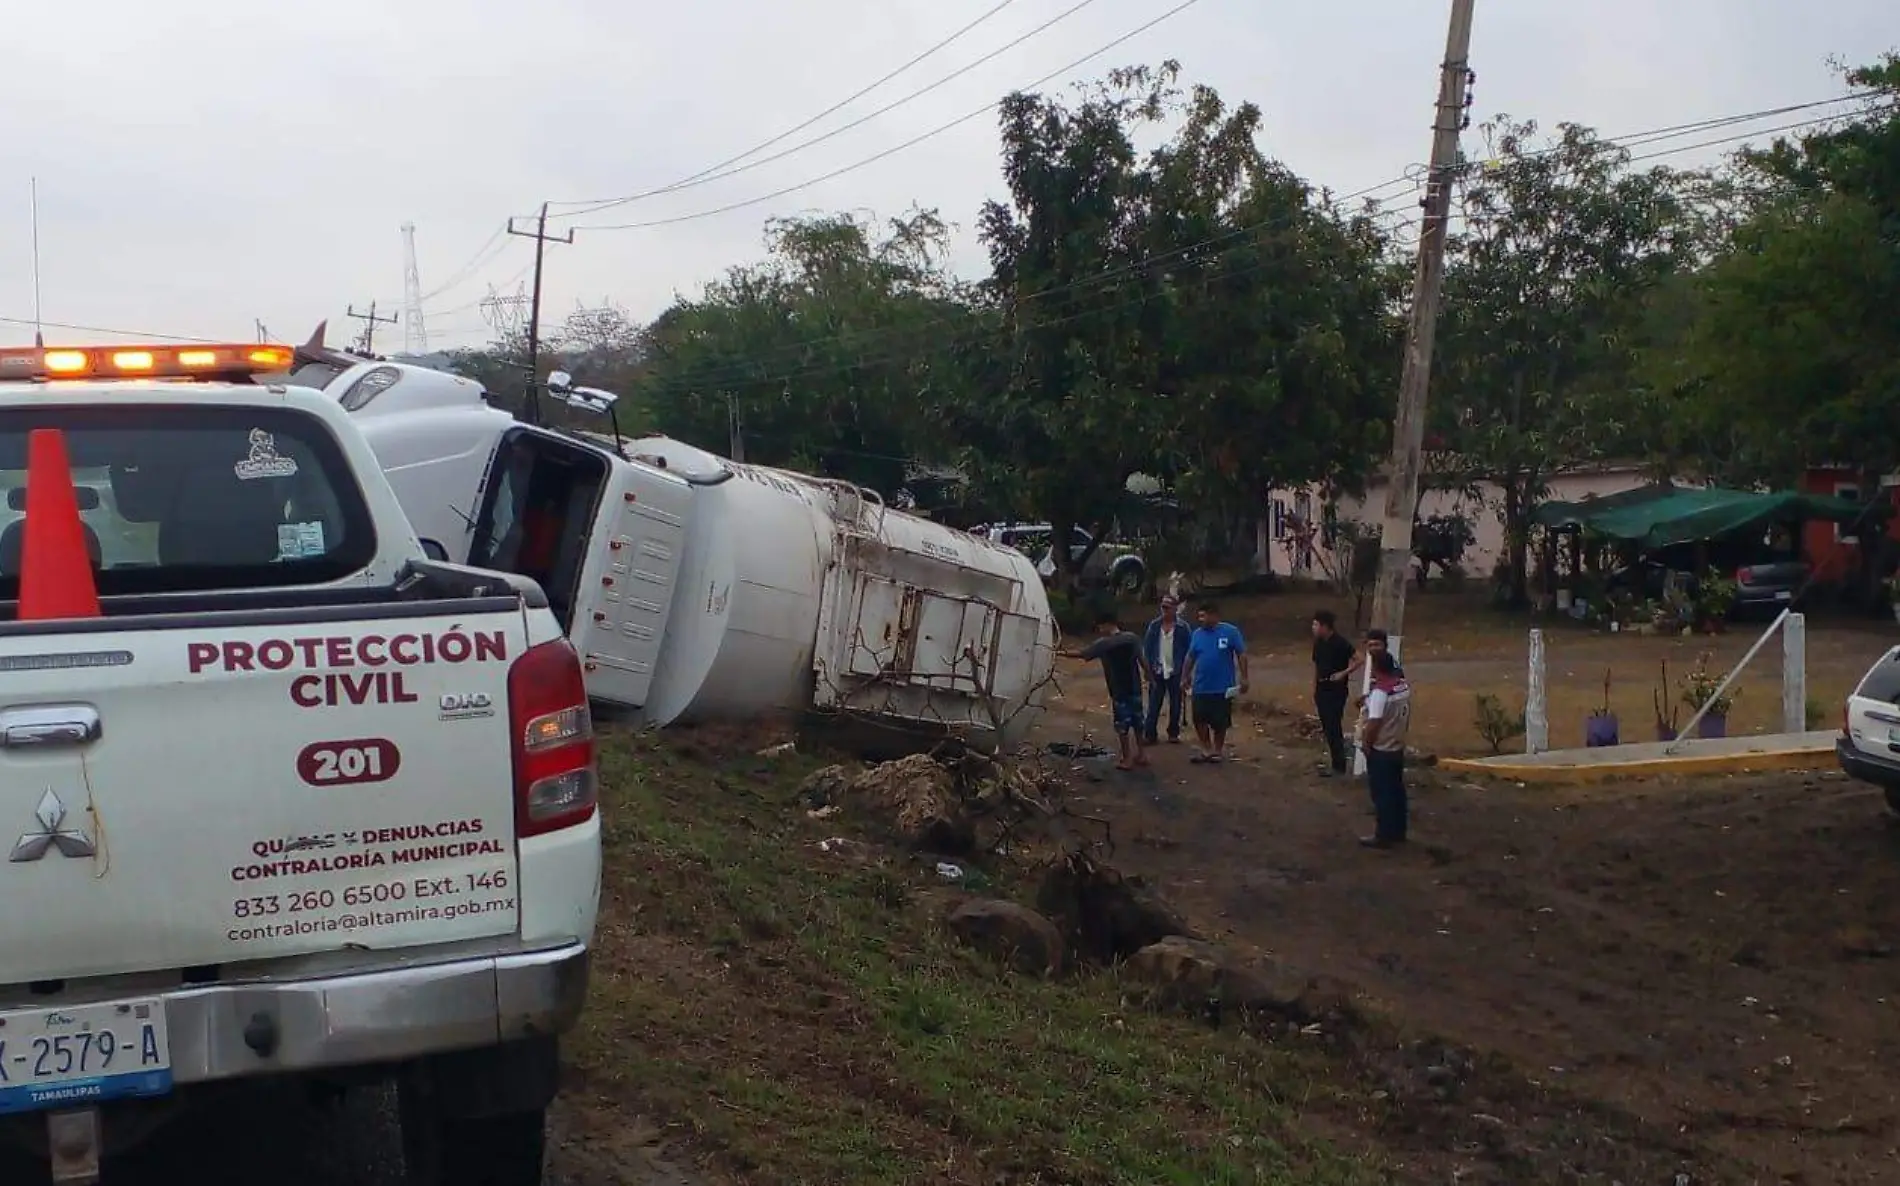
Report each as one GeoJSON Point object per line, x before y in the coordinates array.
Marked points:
{"type": "Point", "coordinates": [218, 790]}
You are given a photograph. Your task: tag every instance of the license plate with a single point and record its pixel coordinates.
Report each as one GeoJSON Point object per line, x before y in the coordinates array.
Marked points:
{"type": "Point", "coordinates": [1783, 595]}
{"type": "Point", "coordinates": [83, 1054]}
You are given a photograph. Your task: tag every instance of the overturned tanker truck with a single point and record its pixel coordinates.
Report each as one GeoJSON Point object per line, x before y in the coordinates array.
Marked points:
{"type": "Point", "coordinates": [697, 588]}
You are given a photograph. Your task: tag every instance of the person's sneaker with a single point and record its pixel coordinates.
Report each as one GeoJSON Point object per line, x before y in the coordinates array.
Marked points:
{"type": "Point", "coordinates": [1378, 842]}
{"type": "Point", "coordinates": [1328, 772]}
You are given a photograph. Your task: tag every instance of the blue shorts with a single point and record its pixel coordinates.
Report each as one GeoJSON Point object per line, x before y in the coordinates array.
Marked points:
{"type": "Point", "coordinates": [1128, 712]}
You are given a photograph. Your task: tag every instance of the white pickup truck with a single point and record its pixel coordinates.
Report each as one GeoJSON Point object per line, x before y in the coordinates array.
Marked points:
{"type": "Point", "coordinates": [294, 800]}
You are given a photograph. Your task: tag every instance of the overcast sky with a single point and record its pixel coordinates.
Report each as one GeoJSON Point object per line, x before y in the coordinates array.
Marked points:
{"type": "Point", "coordinates": [202, 164]}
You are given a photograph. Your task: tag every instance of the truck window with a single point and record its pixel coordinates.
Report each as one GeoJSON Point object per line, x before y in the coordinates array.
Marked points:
{"type": "Point", "coordinates": [538, 514]}
{"type": "Point", "coordinates": [1883, 682]}
{"type": "Point", "coordinates": [179, 499]}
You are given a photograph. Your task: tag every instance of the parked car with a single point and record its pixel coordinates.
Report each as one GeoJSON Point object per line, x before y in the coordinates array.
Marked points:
{"type": "Point", "coordinates": [1769, 585]}
{"type": "Point", "coordinates": [1117, 567]}
{"type": "Point", "coordinates": [1763, 581]}
{"type": "Point", "coordinates": [1869, 745]}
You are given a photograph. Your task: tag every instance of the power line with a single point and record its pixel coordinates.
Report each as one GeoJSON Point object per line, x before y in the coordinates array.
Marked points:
{"type": "Point", "coordinates": [711, 175]}
{"type": "Point", "coordinates": [1875, 109]}
{"type": "Point", "coordinates": [1107, 278]}
{"type": "Point", "coordinates": [96, 329]}
{"type": "Point", "coordinates": [693, 179]}
{"type": "Point", "coordinates": [929, 329]}
{"type": "Point", "coordinates": [483, 255]}
{"type": "Point", "coordinates": [911, 143]}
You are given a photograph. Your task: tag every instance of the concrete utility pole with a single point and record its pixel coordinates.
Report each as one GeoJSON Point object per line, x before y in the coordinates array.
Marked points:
{"type": "Point", "coordinates": [1408, 428]}
{"type": "Point", "coordinates": [541, 239]}
{"type": "Point", "coordinates": [370, 322]}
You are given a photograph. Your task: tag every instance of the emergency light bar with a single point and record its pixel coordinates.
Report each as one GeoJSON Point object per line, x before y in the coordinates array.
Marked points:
{"type": "Point", "coordinates": [142, 362]}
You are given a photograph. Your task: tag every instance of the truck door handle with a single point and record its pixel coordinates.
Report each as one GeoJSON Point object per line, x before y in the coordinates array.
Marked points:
{"type": "Point", "coordinates": [50, 726]}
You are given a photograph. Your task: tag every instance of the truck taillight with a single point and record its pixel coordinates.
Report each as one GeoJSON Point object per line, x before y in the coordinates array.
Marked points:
{"type": "Point", "coordinates": [556, 782]}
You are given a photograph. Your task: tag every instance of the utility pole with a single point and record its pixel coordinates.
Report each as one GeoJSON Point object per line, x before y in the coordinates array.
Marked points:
{"type": "Point", "coordinates": [541, 239]}
{"type": "Point", "coordinates": [1408, 427]}
{"type": "Point", "coordinates": [370, 322]}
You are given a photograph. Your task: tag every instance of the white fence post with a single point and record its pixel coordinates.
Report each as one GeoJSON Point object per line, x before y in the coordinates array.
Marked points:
{"type": "Point", "coordinates": [1536, 709]}
{"type": "Point", "coordinates": [1794, 674]}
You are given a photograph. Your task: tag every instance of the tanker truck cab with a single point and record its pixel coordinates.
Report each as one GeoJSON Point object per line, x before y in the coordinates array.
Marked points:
{"type": "Point", "coordinates": [603, 536]}
{"type": "Point", "coordinates": [288, 799]}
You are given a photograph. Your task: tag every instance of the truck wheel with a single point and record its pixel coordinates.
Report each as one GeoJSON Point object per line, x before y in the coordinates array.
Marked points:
{"type": "Point", "coordinates": [1129, 579]}
{"type": "Point", "coordinates": [504, 1150]}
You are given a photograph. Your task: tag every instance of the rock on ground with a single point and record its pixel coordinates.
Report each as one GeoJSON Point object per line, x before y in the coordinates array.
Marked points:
{"type": "Point", "coordinates": [1198, 976]}
{"type": "Point", "coordinates": [1011, 933]}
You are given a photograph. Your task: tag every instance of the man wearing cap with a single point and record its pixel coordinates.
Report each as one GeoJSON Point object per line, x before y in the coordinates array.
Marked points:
{"type": "Point", "coordinates": [1165, 646]}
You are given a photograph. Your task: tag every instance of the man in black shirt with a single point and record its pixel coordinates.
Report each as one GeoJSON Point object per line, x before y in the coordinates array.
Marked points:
{"type": "Point", "coordinates": [1125, 671]}
{"type": "Point", "coordinates": [1332, 664]}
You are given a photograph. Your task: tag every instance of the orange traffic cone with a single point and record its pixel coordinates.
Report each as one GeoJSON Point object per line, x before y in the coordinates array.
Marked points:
{"type": "Point", "coordinates": [55, 567]}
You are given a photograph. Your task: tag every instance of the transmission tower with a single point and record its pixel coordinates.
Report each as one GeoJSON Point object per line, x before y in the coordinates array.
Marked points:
{"type": "Point", "coordinates": [415, 335]}
{"type": "Point", "coordinates": [503, 313]}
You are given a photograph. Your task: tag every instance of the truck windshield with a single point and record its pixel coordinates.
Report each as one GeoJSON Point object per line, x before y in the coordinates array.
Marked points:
{"type": "Point", "coordinates": [177, 499]}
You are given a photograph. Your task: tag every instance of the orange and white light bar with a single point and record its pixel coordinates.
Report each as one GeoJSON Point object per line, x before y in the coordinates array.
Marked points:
{"type": "Point", "coordinates": [211, 361]}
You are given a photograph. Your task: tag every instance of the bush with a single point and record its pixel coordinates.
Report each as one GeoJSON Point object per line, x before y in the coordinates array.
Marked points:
{"type": "Point", "coordinates": [1494, 722]}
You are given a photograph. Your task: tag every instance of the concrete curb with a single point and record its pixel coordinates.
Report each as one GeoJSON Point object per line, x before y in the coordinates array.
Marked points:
{"type": "Point", "coordinates": [1812, 751]}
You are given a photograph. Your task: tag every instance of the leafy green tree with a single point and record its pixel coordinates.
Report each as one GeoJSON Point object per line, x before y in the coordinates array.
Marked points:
{"type": "Point", "coordinates": [1790, 351]}
{"type": "Point", "coordinates": [1192, 313]}
{"type": "Point", "coordinates": [823, 356]}
{"type": "Point", "coordinates": [1549, 271]}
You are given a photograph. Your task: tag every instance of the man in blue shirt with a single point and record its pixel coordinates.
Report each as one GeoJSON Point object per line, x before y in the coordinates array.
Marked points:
{"type": "Point", "coordinates": [1216, 673]}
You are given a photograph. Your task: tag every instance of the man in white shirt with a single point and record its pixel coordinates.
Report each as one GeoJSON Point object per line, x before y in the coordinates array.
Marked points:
{"type": "Point", "coordinates": [1165, 645]}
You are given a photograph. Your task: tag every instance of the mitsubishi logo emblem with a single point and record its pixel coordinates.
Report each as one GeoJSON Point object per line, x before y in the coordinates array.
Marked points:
{"type": "Point", "coordinates": [51, 813]}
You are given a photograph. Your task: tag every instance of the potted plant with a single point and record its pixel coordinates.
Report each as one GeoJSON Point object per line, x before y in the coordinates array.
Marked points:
{"type": "Point", "coordinates": [1599, 728]}
{"type": "Point", "coordinates": [1699, 688]}
{"type": "Point", "coordinates": [1715, 595]}
{"type": "Point", "coordinates": [1668, 714]}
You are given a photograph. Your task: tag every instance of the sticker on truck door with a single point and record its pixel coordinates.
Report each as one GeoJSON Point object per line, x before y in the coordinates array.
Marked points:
{"type": "Point", "coordinates": [388, 880]}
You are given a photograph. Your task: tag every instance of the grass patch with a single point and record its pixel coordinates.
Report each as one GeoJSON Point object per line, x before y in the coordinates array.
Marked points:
{"type": "Point", "coordinates": [804, 1018]}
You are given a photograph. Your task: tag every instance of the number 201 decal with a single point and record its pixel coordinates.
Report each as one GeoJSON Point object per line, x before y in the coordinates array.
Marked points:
{"type": "Point", "coordinates": [342, 763]}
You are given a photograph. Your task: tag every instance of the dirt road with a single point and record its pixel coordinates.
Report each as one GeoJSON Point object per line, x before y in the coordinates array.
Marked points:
{"type": "Point", "coordinates": [1720, 958]}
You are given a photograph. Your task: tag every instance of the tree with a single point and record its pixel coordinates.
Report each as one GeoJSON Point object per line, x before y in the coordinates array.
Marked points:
{"type": "Point", "coordinates": [1072, 411]}
{"type": "Point", "coordinates": [1790, 347]}
{"type": "Point", "coordinates": [1192, 314]}
{"type": "Point", "coordinates": [823, 356]}
{"type": "Point", "coordinates": [1547, 279]}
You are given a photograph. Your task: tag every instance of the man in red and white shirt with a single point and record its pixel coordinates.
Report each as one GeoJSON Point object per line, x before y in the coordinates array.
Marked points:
{"type": "Point", "coordinates": [1386, 722]}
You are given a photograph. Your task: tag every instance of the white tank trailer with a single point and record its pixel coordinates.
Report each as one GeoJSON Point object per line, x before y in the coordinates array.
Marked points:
{"type": "Point", "coordinates": [700, 589]}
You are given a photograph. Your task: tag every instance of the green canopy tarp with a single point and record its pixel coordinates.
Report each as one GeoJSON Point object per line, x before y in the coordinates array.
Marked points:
{"type": "Point", "coordinates": [1662, 516]}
